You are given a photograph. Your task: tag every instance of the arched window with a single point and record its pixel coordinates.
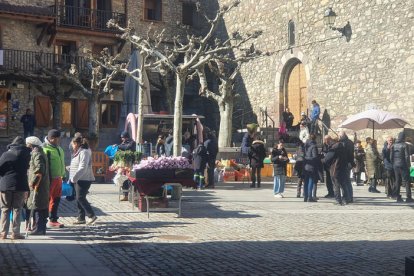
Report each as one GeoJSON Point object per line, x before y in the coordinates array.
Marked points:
{"type": "Point", "coordinates": [291, 33]}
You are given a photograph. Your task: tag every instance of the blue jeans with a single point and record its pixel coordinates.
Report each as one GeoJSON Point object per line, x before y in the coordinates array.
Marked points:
{"type": "Point", "coordinates": [279, 182]}
{"type": "Point", "coordinates": [308, 187]}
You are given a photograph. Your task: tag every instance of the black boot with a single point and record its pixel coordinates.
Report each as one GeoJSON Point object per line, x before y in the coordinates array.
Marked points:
{"type": "Point", "coordinates": [258, 185]}
{"type": "Point", "coordinates": [253, 185]}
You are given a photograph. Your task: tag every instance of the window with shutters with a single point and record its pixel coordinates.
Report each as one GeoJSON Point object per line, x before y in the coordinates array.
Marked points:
{"type": "Point", "coordinates": [43, 111]}
{"type": "Point", "coordinates": [110, 114]}
{"type": "Point", "coordinates": [153, 10]}
{"type": "Point", "coordinates": [82, 115]}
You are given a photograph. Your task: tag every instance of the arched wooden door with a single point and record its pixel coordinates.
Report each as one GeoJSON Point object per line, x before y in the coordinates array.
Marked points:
{"type": "Point", "coordinates": [296, 91]}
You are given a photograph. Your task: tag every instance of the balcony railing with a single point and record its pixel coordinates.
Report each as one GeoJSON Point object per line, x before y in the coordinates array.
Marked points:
{"type": "Point", "coordinates": [28, 61]}
{"type": "Point", "coordinates": [74, 17]}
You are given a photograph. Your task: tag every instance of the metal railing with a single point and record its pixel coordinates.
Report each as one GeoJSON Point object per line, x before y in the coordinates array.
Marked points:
{"type": "Point", "coordinates": [19, 60]}
{"type": "Point", "coordinates": [69, 16]}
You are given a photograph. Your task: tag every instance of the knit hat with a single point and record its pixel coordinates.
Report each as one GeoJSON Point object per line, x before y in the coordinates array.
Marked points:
{"type": "Point", "coordinates": [33, 140]}
{"type": "Point", "coordinates": [18, 140]}
{"type": "Point", "coordinates": [124, 134]}
{"type": "Point", "coordinates": [53, 133]}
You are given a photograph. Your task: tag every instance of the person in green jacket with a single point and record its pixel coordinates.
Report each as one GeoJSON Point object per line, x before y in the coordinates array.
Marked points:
{"type": "Point", "coordinates": [56, 162]}
{"type": "Point", "coordinates": [39, 182]}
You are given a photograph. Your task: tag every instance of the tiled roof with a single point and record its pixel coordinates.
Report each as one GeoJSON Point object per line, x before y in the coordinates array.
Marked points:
{"type": "Point", "coordinates": [33, 10]}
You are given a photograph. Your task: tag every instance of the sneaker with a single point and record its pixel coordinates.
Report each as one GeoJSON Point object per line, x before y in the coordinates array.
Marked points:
{"type": "Point", "coordinates": [282, 196]}
{"type": "Point", "coordinates": [328, 196]}
{"type": "Point", "coordinates": [92, 220]}
{"type": "Point", "coordinates": [124, 198]}
{"type": "Point", "coordinates": [278, 196]}
{"type": "Point", "coordinates": [79, 222]}
{"type": "Point", "coordinates": [55, 224]}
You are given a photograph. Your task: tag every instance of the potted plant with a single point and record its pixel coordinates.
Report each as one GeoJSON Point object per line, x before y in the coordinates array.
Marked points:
{"type": "Point", "coordinates": [126, 159]}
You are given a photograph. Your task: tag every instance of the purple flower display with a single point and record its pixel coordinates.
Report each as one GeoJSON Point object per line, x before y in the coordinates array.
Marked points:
{"type": "Point", "coordinates": [164, 163]}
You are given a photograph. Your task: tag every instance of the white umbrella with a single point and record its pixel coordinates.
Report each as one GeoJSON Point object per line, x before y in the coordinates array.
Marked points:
{"type": "Point", "coordinates": [375, 119]}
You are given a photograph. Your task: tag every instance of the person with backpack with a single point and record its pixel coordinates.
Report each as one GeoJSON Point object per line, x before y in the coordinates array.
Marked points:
{"type": "Point", "coordinates": [257, 154]}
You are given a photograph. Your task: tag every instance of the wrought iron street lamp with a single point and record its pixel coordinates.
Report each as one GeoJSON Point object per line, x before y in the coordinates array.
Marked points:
{"type": "Point", "coordinates": [329, 19]}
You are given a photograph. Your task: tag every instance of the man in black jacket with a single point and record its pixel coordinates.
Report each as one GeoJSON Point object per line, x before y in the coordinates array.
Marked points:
{"type": "Point", "coordinates": [350, 162]}
{"type": "Point", "coordinates": [400, 159]}
{"type": "Point", "coordinates": [14, 164]}
{"type": "Point", "coordinates": [212, 150]}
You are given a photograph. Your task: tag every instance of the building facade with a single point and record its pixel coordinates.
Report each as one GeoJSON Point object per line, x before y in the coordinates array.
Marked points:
{"type": "Point", "coordinates": [56, 33]}
{"type": "Point", "coordinates": [371, 66]}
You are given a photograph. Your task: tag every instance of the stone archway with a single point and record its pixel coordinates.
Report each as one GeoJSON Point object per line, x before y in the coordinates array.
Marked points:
{"type": "Point", "coordinates": [293, 83]}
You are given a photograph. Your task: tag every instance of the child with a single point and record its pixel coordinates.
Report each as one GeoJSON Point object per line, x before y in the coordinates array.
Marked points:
{"type": "Point", "coordinates": [218, 173]}
{"type": "Point", "coordinates": [280, 160]}
{"type": "Point", "coordinates": [199, 161]}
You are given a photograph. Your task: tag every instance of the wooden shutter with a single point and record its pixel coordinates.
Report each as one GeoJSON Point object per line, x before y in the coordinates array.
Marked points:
{"type": "Point", "coordinates": [82, 117]}
{"type": "Point", "coordinates": [43, 111]}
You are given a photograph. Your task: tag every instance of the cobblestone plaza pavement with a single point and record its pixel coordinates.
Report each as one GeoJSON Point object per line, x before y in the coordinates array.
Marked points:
{"type": "Point", "coordinates": [232, 230]}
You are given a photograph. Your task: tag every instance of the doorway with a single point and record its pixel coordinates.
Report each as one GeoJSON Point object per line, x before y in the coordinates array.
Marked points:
{"type": "Point", "coordinates": [295, 93]}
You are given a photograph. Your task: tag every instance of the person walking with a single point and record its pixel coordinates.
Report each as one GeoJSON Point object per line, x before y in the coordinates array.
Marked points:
{"type": "Point", "coordinates": [359, 154]}
{"type": "Point", "coordinates": [311, 168]}
{"type": "Point", "coordinates": [316, 111]}
{"type": "Point", "coordinates": [373, 162]}
{"type": "Point", "coordinates": [327, 141]}
{"type": "Point", "coordinates": [39, 183]}
{"type": "Point", "coordinates": [29, 122]}
{"type": "Point", "coordinates": [81, 175]}
{"type": "Point", "coordinates": [257, 154]}
{"type": "Point", "coordinates": [400, 159]}
{"type": "Point", "coordinates": [56, 162]}
{"type": "Point", "coordinates": [298, 168]}
{"type": "Point", "coordinates": [211, 145]}
{"type": "Point", "coordinates": [388, 167]}
{"type": "Point", "coordinates": [14, 164]}
{"type": "Point", "coordinates": [280, 160]}
{"type": "Point", "coordinates": [349, 159]}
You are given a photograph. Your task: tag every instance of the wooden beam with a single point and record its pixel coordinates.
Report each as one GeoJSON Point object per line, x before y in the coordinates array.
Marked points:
{"type": "Point", "coordinates": [95, 33]}
{"type": "Point", "coordinates": [52, 38]}
{"type": "Point", "coordinates": [32, 18]}
{"type": "Point", "coordinates": [42, 34]}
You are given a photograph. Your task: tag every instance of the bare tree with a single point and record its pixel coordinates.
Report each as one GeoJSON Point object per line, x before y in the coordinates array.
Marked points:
{"type": "Point", "coordinates": [226, 68]}
{"type": "Point", "coordinates": [195, 50]}
{"type": "Point", "coordinates": [100, 84]}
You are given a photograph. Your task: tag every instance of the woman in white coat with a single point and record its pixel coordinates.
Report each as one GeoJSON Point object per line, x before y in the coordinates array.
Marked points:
{"type": "Point", "coordinates": [81, 174]}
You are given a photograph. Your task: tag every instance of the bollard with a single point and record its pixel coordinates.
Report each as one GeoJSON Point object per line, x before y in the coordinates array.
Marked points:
{"type": "Point", "coordinates": [409, 266]}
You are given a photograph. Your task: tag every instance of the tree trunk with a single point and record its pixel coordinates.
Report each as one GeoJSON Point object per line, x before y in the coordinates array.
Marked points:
{"type": "Point", "coordinates": [178, 114]}
{"type": "Point", "coordinates": [57, 112]}
{"type": "Point", "coordinates": [93, 114]}
{"type": "Point", "coordinates": [140, 120]}
{"type": "Point", "coordinates": [226, 118]}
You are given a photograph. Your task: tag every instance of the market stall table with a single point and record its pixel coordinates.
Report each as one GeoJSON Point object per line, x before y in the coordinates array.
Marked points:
{"type": "Point", "coordinates": [150, 182]}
